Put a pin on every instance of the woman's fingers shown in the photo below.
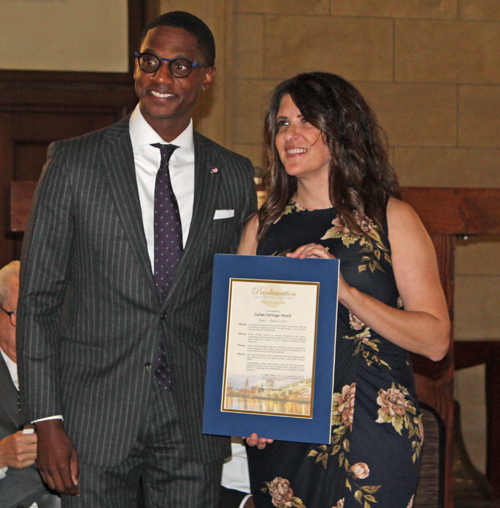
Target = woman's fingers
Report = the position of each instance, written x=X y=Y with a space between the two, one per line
x=311 y=250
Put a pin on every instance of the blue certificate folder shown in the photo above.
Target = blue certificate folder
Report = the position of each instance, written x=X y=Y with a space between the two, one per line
x=316 y=427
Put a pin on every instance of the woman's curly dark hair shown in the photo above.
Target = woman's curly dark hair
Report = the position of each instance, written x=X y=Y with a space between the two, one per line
x=361 y=180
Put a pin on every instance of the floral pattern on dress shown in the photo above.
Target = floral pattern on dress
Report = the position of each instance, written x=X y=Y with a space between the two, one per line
x=396 y=409
x=362 y=493
x=342 y=419
x=368 y=347
x=291 y=207
x=282 y=494
x=372 y=247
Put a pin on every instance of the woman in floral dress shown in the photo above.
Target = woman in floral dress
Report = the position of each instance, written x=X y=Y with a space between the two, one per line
x=333 y=194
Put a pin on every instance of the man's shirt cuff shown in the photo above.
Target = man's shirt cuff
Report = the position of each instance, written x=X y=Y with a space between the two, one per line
x=244 y=500
x=55 y=417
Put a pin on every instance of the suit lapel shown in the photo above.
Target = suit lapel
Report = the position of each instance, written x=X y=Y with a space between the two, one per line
x=206 y=183
x=205 y=191
x=118 y=160
x=8 y=394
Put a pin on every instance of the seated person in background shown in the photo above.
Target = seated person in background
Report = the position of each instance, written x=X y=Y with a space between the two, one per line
x=20 y=483
x=235 y=490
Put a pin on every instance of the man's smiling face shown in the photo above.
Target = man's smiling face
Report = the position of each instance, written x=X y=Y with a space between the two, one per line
x=167 y=102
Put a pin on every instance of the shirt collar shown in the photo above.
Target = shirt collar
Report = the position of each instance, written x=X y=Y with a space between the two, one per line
x=141 y=133
x=12 y=368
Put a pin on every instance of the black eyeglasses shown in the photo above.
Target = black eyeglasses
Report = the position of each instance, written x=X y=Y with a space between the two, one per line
x=12 y=316
x=178 y=67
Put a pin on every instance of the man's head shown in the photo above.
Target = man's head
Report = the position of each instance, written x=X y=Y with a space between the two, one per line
x=9 y=292
x=167 y=101
x=192 y=25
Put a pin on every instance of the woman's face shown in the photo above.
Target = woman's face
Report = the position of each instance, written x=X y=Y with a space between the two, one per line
x=300 y=145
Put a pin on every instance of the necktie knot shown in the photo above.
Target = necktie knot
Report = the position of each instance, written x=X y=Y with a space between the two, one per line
x=166 y=151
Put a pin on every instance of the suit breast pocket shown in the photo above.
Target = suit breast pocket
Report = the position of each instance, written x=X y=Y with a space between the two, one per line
x=223 y=214
x=221 y=234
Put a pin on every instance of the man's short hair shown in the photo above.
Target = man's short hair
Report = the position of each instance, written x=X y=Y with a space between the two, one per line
x=8 y=271
x=193 y=25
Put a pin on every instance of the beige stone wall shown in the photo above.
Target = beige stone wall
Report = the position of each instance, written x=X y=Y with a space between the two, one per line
x=64 y=35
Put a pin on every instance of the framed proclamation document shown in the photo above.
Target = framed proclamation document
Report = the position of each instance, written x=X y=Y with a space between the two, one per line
x=271 y=353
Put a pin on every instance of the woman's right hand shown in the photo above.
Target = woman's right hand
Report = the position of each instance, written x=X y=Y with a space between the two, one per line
x=315 y=250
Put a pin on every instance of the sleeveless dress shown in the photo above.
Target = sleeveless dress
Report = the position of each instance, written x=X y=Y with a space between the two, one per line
x=377 y=433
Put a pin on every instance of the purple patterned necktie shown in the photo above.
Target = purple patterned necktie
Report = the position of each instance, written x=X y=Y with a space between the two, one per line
x=168 y=246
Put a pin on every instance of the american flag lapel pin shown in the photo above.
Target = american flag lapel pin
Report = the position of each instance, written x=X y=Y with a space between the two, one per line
x=214 y=170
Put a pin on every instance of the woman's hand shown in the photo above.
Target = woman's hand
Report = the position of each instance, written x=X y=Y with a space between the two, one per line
x=315 y=250
x=311 y=250
x=255 y=440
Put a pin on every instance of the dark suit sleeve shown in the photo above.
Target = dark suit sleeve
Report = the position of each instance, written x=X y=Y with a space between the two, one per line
x=21 y=487
x=45 y=259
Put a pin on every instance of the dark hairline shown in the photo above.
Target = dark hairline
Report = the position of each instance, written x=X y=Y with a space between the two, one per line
x=190 y=24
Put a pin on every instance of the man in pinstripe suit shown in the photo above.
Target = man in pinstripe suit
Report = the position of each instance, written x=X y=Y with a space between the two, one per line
x=90 y=317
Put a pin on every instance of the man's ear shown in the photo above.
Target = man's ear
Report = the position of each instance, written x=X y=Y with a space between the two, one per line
x=208 y=77
x=136 y=66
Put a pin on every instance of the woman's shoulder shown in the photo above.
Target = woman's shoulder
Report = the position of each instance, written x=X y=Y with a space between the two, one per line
x=403 y=220
x=399 y=211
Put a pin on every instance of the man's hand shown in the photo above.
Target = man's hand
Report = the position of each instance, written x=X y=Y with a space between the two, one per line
x=18 y=450
x=255 y=440
x=57 y=457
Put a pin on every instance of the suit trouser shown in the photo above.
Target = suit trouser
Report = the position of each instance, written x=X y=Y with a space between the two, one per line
x=159 y=461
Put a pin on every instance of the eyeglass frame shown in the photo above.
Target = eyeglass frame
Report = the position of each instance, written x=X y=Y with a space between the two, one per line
x=170 y=61
x=10 y=314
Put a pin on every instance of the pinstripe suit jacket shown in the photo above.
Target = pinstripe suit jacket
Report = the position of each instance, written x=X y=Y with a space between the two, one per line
x=90 y=359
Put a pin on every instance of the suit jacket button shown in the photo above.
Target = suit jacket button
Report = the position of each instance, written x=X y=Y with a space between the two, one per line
x=147 y=366
x=163 y=315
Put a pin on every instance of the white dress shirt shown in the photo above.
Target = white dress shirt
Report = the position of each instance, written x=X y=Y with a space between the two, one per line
x=12 y=366
x=147 y=161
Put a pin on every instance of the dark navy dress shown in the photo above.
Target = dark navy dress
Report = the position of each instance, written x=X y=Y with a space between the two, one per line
x=377 y=433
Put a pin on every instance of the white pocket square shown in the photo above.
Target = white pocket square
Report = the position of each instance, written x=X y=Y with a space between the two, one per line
x=223 y=214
